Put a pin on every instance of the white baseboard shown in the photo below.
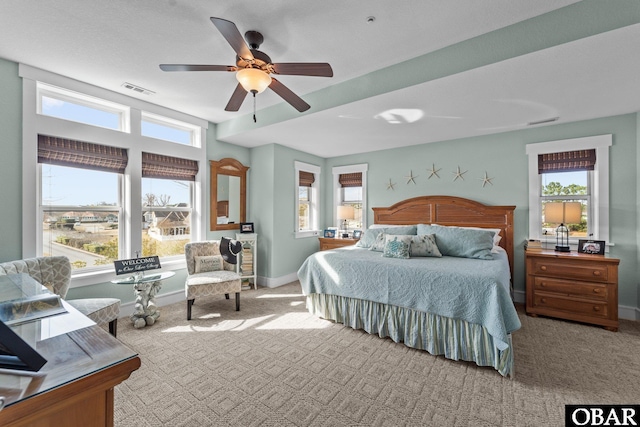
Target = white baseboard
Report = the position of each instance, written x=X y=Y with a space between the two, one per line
x=274 y=282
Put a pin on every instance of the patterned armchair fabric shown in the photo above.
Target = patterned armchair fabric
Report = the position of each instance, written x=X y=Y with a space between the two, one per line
x=55 y=273
x=211 y=282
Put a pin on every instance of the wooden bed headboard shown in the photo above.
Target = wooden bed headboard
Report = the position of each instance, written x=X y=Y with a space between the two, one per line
x=450 y=210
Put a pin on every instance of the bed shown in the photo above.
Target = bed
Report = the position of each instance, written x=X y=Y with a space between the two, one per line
x=456 y=306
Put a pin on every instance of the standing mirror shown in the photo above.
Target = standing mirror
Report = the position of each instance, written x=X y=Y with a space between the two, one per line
x=228 y=194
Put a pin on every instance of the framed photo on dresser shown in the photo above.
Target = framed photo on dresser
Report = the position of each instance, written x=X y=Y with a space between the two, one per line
x=595 y=247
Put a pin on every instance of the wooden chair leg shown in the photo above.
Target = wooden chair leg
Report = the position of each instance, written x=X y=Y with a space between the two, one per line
x=113 y=327
x=237 y=301
x=189 y=304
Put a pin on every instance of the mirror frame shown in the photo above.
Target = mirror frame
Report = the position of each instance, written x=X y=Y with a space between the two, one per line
x=231 y=167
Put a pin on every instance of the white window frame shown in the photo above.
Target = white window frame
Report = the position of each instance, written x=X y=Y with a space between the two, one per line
x=337 y=193
x=599 y=183
x=314 y=202
x=129 y=137
x=194 y=131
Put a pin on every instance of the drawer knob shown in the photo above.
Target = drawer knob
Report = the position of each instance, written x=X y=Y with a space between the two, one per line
x=597 y=291
x=543 y=267
x=543 y=300
x=596 y=273
x=596 y=308
x=543 y=284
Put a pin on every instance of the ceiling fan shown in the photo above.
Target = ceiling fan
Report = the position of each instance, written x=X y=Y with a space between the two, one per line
x=253 y=68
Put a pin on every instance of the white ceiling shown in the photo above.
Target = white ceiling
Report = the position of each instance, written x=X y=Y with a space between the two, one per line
x=111 y=42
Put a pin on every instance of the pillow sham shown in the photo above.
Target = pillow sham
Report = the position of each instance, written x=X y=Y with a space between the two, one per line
x=378 y=245
x=397 y=246
x=424 y=245
x=496 y=236
x=370 y=234
x=208 y=263
x=461 y=242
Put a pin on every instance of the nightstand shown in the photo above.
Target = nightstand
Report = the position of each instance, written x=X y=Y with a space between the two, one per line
x=326 y=243
x=573 y=286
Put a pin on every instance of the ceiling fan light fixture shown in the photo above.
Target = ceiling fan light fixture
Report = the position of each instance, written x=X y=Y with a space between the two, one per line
x=253 y=80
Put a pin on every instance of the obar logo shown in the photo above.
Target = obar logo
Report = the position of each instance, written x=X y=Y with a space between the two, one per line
x=601 y=415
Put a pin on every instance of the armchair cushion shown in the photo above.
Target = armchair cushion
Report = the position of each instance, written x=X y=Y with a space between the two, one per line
x=208 y=263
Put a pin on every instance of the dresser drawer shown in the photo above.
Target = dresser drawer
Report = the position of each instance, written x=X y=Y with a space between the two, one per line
x=576 y=270
x=567 y=287
x=543 y=301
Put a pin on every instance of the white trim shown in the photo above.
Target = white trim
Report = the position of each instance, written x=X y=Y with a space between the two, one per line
x=34 y=124
x=600 y=187
x=274 y=282
x=314 y=205
x=337 y=171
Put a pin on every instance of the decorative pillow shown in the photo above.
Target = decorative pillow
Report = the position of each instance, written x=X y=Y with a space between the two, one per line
x=369 y=235
x=461 y=242
x=208 y=263
x=397 y=246
x=424 y=245
x=378 y=245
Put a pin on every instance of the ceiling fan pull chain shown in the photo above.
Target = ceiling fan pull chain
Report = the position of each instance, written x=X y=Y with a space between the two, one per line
x=254 y=107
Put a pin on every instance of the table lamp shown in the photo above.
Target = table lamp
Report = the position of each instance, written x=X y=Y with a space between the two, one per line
x=562 y=213
x=345 y=213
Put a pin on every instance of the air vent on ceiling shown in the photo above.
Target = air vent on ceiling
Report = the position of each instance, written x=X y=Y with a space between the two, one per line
x=137 y=88
x=539 y=122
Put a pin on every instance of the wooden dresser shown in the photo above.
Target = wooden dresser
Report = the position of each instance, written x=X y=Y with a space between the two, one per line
x=326 y=243
x=573 y=286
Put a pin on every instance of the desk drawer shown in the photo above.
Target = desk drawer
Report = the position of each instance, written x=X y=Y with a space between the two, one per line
x=567 y=287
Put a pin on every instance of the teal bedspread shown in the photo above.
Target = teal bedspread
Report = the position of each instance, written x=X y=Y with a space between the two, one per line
x=476 y=291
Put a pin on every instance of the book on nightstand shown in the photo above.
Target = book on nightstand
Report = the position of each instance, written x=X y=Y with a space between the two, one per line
x=533 y=245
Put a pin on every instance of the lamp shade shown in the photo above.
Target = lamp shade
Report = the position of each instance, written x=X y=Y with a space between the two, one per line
x=346 y=212
x=253 y=79
x=563 y=212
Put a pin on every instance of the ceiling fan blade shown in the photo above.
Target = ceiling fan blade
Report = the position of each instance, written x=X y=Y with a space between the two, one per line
x=236 y=99
x=189 y=67
x=230 y=32
x=320 y=69
x=286 y=94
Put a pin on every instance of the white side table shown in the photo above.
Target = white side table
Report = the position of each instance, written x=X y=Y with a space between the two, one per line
x=145 y=310
x=247 y=264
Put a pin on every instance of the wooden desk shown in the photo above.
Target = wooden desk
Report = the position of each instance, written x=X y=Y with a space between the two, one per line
x=75 y=386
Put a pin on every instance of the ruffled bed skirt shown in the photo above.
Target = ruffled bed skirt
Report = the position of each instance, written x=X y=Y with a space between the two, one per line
x=439 y=335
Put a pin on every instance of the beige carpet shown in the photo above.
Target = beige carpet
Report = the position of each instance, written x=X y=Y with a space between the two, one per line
x=272 y=364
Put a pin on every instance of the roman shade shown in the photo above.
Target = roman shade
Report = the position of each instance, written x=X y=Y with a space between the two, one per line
x=568 y=161
x=81 y=154
x=350 y=179
x=166 y=167
x=306 y=179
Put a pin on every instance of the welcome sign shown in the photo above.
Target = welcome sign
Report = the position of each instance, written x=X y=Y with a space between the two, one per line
x=136 y=265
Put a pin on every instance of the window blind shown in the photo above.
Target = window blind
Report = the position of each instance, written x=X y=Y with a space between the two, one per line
x=568 y=161
x=167 y=167
x=350 y=179
x=81 y=154
x=306 y=179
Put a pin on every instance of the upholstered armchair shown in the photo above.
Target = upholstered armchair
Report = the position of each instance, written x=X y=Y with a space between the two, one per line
x=208 y=274
x=55 y=273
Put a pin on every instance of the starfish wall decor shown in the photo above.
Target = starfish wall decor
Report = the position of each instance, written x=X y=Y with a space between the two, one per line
x=411 y=178
x=391 y=185
x=486 y=180
x=433 y=171
x=459 y=174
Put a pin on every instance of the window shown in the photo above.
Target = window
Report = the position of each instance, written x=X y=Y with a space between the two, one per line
x=81 y=205
x=107 y=190
x=556 y=176
x=166 y=204
x=307 y=184
x=159 y=127
x=63 y=104
x=350 y=189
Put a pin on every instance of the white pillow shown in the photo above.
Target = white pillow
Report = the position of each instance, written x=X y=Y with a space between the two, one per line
x=374 y=226
x=208 y=263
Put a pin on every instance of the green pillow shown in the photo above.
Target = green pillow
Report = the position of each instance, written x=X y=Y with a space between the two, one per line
x=461 y=242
